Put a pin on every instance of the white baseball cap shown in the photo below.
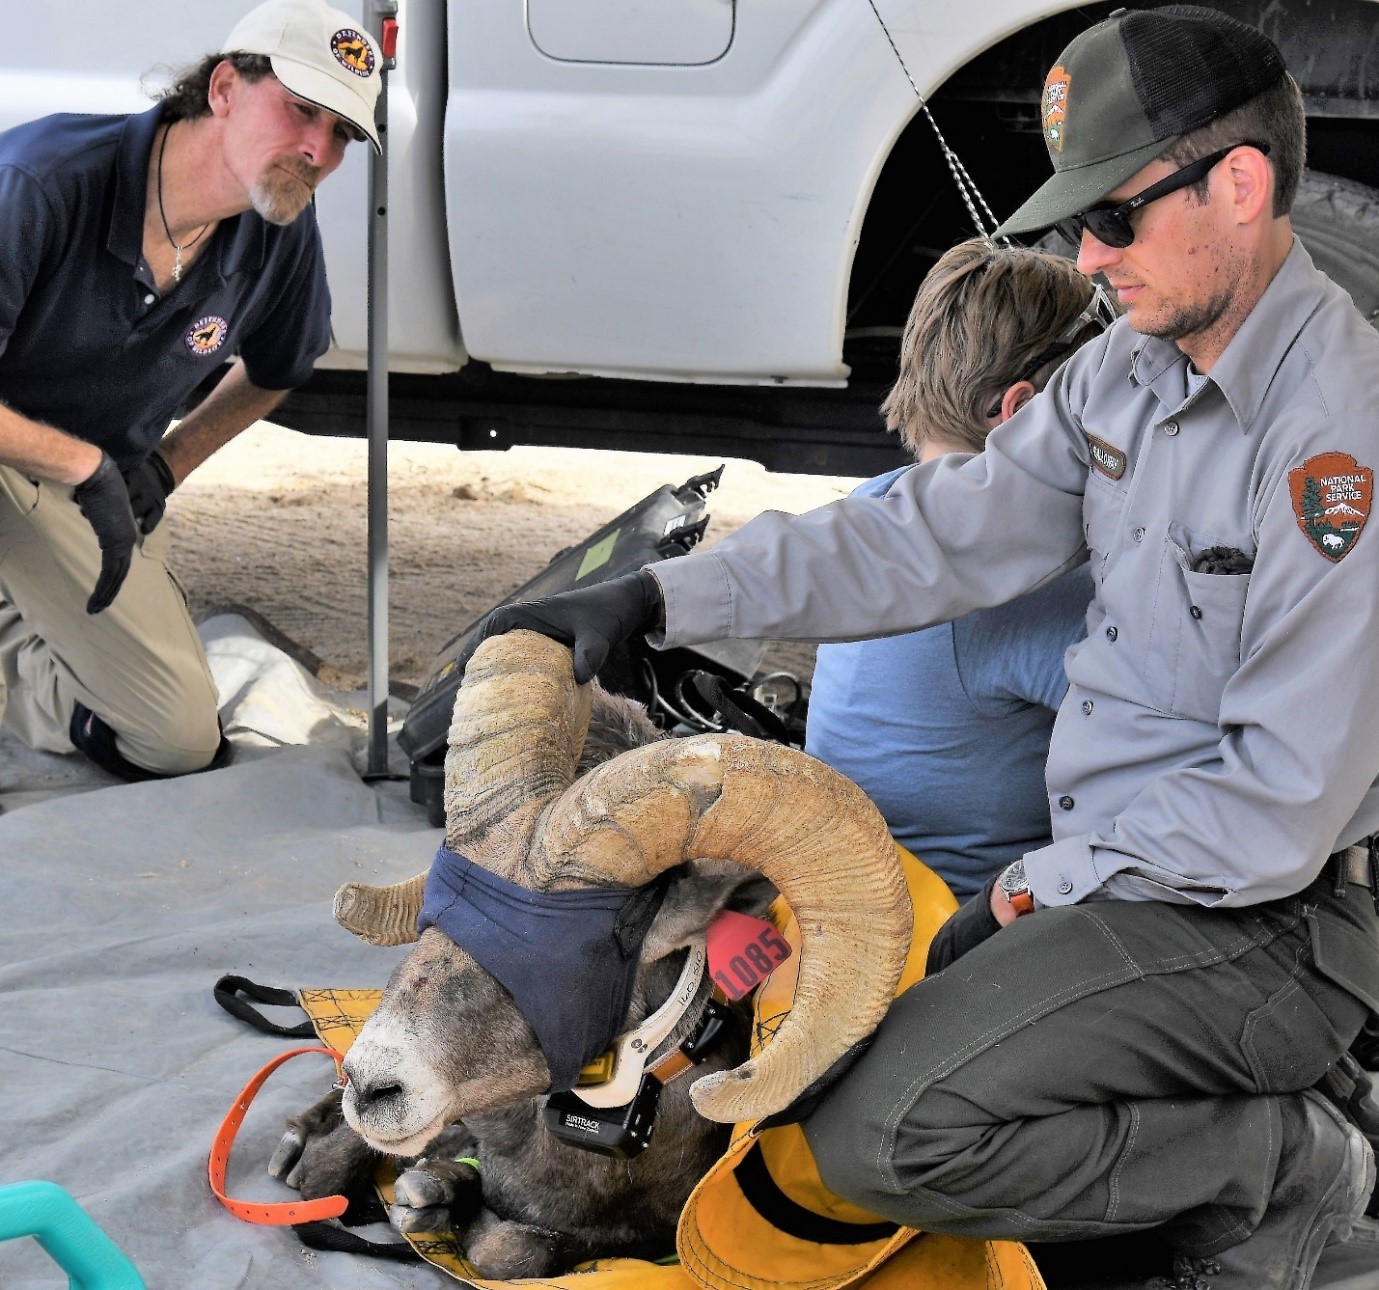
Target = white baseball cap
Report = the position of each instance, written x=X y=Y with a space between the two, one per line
x=320 y=54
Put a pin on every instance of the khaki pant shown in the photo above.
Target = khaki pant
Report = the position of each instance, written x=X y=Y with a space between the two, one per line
x=138 y=665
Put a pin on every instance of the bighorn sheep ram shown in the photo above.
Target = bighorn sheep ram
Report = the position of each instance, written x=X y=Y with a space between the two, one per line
x=449 y=1054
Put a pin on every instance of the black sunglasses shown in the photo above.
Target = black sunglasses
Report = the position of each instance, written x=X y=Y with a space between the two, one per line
x=1099 y=312
x=1109 y=222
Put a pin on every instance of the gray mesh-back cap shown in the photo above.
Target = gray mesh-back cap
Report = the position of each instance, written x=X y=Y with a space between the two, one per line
x=1125 y=89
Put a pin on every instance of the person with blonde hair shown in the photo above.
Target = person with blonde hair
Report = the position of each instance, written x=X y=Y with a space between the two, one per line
x=947 y=729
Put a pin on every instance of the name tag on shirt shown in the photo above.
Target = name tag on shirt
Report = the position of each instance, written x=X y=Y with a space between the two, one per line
x=1107 y=459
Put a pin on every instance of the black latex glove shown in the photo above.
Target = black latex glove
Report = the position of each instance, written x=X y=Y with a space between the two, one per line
x=965 y=930
x=149 y=484
x=104 y=500
x=591 y=619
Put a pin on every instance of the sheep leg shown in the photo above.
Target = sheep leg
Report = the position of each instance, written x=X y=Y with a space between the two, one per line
x=320 y=1155
x=443 y=1189
x=503 y=1249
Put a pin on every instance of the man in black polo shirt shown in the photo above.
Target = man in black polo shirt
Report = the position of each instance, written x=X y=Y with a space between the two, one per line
x=142 y=252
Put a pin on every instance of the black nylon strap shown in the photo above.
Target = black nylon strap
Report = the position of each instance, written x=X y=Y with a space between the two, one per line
x=647 y=1251
x=326 y=1236
x=227 y=993
x=764 y=1196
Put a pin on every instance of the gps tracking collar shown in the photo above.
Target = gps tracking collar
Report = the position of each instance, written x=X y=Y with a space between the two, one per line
x=613 y=1109
x=568 y=958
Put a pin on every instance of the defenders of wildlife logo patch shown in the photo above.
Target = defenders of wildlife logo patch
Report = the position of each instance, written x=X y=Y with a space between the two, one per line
x=1107 y=459
x=206 y=335
x=1054 y=106
x=352 y=51
x=1331 y=495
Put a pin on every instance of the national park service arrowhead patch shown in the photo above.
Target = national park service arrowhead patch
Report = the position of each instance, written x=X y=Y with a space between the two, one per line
x=1054 y=107
x=1106 y=457
x=1331 y=495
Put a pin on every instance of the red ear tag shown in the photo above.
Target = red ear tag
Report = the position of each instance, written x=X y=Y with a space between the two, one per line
x=743 y=952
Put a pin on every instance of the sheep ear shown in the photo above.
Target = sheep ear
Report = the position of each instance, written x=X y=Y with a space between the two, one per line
x=695 y=898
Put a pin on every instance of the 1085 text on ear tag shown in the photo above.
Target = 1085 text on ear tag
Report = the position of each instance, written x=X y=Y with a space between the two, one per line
x=743 y=952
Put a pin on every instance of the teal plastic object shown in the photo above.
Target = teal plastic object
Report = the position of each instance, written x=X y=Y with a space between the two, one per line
x=90 y=1258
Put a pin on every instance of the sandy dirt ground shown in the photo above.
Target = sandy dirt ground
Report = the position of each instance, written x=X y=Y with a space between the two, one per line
x=277 y=521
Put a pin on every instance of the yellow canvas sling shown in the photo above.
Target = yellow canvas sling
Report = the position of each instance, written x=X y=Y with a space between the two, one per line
x=762 y=1218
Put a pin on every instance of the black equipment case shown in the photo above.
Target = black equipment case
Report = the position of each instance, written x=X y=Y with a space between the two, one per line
x=665 y=524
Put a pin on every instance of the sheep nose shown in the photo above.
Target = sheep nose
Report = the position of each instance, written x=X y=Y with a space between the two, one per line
x=371 y=1096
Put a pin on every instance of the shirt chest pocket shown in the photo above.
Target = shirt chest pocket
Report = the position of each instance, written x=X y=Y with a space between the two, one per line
x=1195 y=629
x=1103 y=505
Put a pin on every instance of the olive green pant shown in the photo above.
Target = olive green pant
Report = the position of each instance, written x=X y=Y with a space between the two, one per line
x=1100 y=1069
x=138 y=665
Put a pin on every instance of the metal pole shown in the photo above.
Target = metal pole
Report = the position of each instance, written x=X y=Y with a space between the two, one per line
x=381 y=16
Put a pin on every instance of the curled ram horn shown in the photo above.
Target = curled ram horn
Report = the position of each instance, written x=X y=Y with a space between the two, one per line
x=812 y=832
x=515 y=735
x=381 y=915
x=512 y=805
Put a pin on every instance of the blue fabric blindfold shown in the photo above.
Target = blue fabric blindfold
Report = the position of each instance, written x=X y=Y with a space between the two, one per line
x=568 y=958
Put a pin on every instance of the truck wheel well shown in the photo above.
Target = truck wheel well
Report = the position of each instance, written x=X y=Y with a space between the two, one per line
x=988 y=111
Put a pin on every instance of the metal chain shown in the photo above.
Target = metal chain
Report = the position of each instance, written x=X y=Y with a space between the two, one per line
x=967 y=187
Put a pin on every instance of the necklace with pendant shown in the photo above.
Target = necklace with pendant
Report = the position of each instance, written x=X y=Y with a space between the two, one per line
x=162 y=214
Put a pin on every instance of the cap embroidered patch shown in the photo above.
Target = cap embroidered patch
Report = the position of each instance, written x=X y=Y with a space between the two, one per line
x=352 y=51
x=1055 y=106
x=1331 y=495
x=1110 y=461
x=207 y=334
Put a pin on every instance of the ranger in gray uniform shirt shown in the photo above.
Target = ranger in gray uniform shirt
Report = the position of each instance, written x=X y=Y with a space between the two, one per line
x=1200 y=942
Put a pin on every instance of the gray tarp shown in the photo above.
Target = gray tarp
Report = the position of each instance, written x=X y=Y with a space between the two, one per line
x=121 y=907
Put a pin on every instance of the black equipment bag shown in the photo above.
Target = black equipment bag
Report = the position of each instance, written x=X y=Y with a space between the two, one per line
x=665 y=524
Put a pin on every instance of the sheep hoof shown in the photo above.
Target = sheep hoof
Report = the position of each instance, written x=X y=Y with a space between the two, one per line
x=320 y=1155
x=434 y=1194
x=419 y=1188
x=286 y=1156
x=435 y=1218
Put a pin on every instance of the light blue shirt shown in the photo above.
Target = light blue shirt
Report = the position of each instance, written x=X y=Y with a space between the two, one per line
x=947 y=729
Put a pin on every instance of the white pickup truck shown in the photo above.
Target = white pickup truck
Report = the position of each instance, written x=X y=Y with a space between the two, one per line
x=686 y=224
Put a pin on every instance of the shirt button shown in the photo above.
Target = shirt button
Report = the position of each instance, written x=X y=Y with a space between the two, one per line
x=1064 y=887
x=1086 y=707
x=1195 y=612
x=1170 y=428
x=150 y=298
x=1139 y=535
x=1111 y=633
x=1066 y=803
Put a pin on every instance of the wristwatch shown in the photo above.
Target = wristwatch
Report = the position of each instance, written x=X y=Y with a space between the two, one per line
x=1016 y=887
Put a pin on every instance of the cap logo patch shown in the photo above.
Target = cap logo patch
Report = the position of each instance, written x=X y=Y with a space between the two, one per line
x=352 y=51
x=1110 y=461
x=207 y=335
x=1054 y=107
x=1331 y=495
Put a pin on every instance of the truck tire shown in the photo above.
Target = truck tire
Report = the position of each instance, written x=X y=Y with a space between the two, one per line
x=1338 y=222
